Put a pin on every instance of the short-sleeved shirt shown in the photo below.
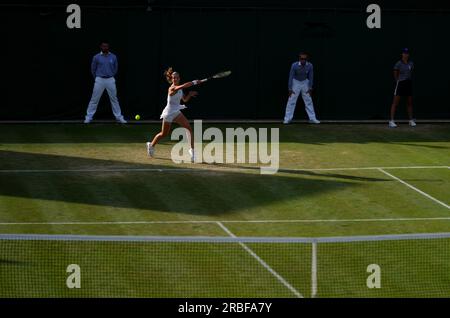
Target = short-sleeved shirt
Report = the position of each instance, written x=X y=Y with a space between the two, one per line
x=405 y=70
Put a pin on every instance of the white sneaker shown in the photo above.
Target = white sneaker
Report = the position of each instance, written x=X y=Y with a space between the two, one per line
x=286 y=122
x=392 y=124
x=87 y=121
x=314 y=121
x=121 y=120
x=412 y=123
x=192 y=154
x=150 y=150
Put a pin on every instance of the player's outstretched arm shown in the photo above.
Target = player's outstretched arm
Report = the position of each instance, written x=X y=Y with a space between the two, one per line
x=175 y=89
x=189 y=84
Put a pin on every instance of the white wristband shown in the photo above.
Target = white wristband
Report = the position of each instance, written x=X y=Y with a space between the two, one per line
x=194 y=82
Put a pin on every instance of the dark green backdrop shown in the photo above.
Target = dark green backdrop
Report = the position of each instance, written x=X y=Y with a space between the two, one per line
x=46 y=67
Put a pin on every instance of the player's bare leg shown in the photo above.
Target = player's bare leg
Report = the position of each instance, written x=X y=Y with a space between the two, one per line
x=165 y=129
x=183 y=122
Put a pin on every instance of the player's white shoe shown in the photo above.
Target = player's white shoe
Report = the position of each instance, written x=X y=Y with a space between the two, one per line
x=314 y=121
x=286 y=122
x=121 y=120
x=87 y=121
x=192 y=154
x=392 y=124
x=150 y=150
x=412 y=123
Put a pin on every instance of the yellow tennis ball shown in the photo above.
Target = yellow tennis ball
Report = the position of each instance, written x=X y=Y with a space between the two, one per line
x=137 y=117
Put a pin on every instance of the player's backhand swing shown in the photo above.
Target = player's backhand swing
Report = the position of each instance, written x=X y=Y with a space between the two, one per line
x=172 y=111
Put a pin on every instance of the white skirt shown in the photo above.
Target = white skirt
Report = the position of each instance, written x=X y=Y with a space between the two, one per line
x=171 y=112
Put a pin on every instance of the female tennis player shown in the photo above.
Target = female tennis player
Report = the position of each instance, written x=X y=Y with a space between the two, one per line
x=172 y=111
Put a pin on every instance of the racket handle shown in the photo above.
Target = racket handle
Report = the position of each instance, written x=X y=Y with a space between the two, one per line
x=205 y=79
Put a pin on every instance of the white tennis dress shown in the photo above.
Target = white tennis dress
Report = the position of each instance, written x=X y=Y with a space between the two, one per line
x=173 y=106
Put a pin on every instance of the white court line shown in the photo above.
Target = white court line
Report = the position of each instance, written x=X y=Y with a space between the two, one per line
x=98 y=170
x=264 y=264
x=365 y=168
x=207 y=169
x=444 y=218
x=415 y=189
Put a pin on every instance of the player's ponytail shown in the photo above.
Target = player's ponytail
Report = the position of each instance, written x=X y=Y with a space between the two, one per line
x=168 y=74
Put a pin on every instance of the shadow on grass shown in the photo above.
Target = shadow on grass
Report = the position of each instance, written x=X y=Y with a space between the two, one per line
x=304 y=134
x=423 y=146
x=312 y=173
x=7 y=262
x=196 y=191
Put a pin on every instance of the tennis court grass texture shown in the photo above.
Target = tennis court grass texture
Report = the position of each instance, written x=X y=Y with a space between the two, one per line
x=97 y=180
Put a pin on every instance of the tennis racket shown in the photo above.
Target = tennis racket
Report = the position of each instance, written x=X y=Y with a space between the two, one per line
x=218 y=75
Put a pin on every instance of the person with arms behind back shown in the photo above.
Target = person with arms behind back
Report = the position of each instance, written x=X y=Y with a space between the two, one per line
x=104 y=67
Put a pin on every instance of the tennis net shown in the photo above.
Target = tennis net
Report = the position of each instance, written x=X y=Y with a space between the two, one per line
x=415 y=265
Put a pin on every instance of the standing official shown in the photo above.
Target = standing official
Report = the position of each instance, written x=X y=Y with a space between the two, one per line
x=301 y=82
x=104 y=67
x=403 y=70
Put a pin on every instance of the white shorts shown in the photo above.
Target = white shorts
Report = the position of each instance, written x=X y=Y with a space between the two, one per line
x=169 y=118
